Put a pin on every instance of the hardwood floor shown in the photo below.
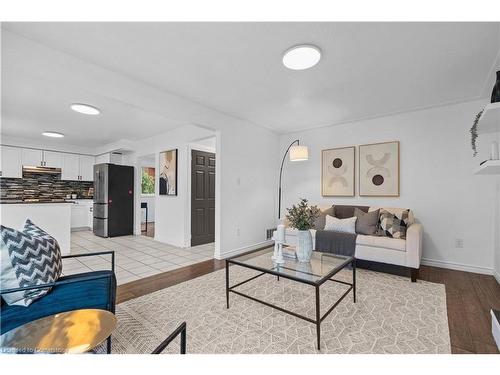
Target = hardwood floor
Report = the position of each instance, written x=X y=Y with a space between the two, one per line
x=469 y=298
x=153 y=283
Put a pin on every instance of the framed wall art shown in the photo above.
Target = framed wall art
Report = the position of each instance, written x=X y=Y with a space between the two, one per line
x=337 y=172
x=168 y=172
x=379 y=169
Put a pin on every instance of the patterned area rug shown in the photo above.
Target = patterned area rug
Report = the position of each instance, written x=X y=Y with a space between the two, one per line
x=391 y=315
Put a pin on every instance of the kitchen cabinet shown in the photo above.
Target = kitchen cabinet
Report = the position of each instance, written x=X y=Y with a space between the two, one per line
x=74 y=167
x=41 y=158
x=87 y=168
x=91 y=215
x=71 y=167
x=78 y=167
x=81 y=214
x=53 y=159
x=32 y=157
x=11 y=162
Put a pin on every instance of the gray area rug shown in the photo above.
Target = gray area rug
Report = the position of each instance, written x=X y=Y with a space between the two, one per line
x=392 y=315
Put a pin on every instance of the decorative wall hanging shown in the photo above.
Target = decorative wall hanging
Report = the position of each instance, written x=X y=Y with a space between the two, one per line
x=337 y=172
x=379 y=169
x=168 y=172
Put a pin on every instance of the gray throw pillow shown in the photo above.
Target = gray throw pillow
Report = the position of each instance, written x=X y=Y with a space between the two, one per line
x=320 y=222
x=367 y=222
x=343 y=211
x=28 y=257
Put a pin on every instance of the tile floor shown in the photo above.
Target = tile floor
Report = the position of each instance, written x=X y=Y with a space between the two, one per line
x=136 y=257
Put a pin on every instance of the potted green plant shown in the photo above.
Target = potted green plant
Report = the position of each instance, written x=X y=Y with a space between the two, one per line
x=302 y=217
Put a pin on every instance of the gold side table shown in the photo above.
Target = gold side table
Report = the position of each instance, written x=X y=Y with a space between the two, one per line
x=75 y=331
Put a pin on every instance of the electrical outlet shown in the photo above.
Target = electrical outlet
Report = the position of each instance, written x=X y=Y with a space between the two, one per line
x=459 y=243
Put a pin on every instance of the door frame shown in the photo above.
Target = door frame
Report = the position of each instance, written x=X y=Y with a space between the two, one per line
x=193 y=146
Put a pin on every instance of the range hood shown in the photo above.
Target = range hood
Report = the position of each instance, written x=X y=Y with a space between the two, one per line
x=41 y=170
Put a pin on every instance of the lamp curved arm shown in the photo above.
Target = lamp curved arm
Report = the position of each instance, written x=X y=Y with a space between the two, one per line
x=281 y=173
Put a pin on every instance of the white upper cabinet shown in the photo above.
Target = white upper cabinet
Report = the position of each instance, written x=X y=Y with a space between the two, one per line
x=42 y=158
x=87 y=168
x=53 y=159
x=71 y=167
x=78 y=167
x=11 y=162
x=74 y=167
x=32 y=157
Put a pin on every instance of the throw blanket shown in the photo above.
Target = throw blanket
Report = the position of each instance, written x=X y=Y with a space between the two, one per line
x=329 y=241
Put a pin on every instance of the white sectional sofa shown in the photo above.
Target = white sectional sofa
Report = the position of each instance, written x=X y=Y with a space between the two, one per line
x=405 y=253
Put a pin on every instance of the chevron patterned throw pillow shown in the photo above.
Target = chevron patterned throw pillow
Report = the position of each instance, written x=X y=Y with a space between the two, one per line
x=28 y=257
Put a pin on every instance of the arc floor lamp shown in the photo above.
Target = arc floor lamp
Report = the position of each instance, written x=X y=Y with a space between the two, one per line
x=297 y=153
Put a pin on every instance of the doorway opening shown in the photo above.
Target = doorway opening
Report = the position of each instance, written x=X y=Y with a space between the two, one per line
x=147 y=198
x=203 y=162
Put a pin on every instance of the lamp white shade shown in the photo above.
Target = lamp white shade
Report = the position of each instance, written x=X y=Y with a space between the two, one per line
x=299 y=153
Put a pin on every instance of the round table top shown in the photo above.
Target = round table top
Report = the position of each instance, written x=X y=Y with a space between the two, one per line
x=75 y=331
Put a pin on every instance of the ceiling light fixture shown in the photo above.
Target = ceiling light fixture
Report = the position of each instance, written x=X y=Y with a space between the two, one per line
x=53 y=134
x=86 y=109
x=301 y=57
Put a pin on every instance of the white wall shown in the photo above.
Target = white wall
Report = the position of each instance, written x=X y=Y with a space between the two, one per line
x=209 y=144
x=170 y=211
x=245 y=183
x=437 y=180
x=497 y=232
x=248 y=172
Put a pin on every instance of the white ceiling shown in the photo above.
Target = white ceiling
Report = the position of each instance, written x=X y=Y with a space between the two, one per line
x=367 y=70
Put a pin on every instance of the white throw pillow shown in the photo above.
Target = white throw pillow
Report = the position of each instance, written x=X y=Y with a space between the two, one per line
x=341 y=225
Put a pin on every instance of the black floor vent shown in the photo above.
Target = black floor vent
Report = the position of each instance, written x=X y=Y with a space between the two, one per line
x=269 y=233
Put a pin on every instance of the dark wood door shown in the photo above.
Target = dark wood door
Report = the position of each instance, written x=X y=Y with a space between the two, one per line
x=202 y=197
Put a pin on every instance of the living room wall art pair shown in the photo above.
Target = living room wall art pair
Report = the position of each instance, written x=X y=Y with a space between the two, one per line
x=378 y=170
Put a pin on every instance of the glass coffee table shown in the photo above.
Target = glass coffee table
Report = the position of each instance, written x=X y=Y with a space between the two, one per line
x=320 y=269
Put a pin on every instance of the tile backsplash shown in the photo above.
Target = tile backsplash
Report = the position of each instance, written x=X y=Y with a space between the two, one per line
x=42 y=186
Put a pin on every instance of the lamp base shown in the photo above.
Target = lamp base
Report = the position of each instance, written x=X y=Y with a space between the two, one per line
x=278 y=253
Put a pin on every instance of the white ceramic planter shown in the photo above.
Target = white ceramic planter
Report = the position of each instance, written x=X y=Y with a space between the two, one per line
x=304 y=246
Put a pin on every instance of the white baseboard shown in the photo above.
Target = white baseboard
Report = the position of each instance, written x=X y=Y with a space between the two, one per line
x=497 y=276
x=457 y=266
x=244 y=249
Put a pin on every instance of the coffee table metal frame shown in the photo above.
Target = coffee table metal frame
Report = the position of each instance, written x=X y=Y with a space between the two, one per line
x=316 y=284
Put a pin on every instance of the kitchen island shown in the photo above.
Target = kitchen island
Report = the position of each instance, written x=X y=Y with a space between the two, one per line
x=54 y=218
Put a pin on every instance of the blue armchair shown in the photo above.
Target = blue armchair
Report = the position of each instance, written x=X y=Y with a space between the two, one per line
x=90 y=290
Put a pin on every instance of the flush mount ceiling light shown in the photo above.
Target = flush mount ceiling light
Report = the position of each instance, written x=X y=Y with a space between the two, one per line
x=301 y=57
x=53 y=134
x=85 y=109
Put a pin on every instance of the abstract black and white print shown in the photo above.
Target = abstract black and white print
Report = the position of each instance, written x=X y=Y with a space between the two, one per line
x=337 y=172
x=379 y=169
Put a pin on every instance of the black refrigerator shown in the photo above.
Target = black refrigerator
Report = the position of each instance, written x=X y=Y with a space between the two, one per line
x=113 y=200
